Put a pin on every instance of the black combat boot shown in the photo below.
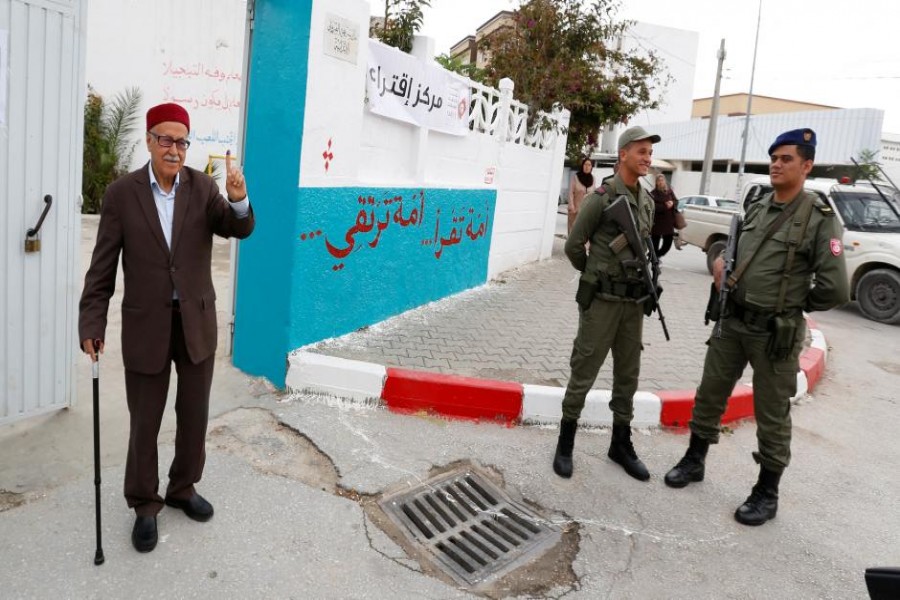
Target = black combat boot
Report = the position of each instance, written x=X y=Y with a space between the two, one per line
x=621 y=450
x=763 y=501
x=562 y=462
x=692 y=466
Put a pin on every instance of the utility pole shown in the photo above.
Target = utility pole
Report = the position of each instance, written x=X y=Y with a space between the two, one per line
x=746 y=134
x=713 y=123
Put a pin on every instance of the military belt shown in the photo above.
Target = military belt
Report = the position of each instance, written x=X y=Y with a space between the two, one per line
x=753 y=318
x=634 y=290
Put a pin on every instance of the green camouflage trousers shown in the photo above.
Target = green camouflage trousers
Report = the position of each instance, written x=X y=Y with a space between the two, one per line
x=774 y=384
x=604 y=326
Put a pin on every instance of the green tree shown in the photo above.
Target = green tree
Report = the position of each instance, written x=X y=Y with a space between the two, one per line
x=569 y=52
x=868 y=167
x=108 y=143
x=402 y=19
x=457 y=66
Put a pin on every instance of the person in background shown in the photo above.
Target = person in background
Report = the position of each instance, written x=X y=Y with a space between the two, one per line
x=161 y=220
x=581 y=185
x=664 y=218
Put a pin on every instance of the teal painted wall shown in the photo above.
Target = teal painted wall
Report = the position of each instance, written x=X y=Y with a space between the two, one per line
x=274 y=133
x=362 y=255
x=325 y=261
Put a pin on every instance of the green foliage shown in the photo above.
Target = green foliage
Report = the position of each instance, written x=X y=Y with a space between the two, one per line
x=868 y=168
x=457 y=66
x=568 y=52
x=108 y=142
x=213 y=170
x=402 y=19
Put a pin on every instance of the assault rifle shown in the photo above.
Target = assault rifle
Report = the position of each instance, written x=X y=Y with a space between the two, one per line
x=620 y=213
x=718 y=301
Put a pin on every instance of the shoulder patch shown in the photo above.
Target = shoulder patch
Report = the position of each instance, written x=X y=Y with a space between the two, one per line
x=823 y=207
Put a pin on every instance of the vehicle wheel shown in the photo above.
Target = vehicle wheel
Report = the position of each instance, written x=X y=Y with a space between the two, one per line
x=715 y=249
x=878 y=294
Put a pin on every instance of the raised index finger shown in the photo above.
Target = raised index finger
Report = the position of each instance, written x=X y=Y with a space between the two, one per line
x=228 y=160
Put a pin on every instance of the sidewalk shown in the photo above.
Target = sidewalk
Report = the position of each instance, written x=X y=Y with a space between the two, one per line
x=520 y=328
x=293 y=477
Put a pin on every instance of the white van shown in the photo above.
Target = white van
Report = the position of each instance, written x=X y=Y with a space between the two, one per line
x=871 y=219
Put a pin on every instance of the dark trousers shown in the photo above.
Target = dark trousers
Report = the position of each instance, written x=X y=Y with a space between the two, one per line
x=774 y=384
x=605 y=326
x=146 y=403
x=662 y=249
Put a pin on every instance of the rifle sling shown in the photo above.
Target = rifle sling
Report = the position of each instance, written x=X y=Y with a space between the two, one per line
x=801 y=224
x=782 y=218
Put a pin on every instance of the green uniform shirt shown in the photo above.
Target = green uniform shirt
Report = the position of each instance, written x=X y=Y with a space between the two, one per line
x=818 y=276
x=591 y=225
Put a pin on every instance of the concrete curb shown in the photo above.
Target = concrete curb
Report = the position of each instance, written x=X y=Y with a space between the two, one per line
x=408 y=391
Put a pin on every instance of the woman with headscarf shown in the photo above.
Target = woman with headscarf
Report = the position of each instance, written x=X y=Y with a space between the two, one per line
x=664 y=220
x=581 y=185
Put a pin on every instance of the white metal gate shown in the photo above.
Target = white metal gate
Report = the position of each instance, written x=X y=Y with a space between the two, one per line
x=41 y=116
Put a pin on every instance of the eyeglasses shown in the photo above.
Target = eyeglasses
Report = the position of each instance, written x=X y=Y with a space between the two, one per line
x=166 y=141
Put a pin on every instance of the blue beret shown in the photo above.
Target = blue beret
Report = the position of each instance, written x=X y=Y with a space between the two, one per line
x=794 y=137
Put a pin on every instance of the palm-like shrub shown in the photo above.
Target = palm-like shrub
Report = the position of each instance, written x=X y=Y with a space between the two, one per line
x=108 y=142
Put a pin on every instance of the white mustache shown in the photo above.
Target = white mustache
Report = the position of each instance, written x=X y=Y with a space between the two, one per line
x=170 y=159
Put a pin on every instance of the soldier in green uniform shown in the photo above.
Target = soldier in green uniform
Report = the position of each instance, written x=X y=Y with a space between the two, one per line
x=799 y=266
x=614 y=318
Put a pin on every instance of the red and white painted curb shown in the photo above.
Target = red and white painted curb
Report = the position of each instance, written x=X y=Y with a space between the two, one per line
x=409 y=391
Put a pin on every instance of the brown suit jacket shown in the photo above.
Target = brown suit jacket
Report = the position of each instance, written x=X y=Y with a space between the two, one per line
x=129 y=223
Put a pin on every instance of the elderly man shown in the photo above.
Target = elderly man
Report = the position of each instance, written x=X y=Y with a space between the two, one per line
x=789 y=259
x=611 y=313
x=161 y=219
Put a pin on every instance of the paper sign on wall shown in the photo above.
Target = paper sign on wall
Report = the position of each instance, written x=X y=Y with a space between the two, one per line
x=400 y=86
x=4 y=67
x=341 y=38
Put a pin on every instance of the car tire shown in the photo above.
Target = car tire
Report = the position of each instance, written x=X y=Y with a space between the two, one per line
x=878 y=294
x=715 y=249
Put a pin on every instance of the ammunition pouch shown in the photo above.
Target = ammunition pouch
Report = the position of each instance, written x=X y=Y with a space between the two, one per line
x=783 y=338
x=650 y=304
x=587 y=291
x=713 y=306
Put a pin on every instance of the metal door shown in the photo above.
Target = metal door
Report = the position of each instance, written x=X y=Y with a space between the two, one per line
x=41 y=116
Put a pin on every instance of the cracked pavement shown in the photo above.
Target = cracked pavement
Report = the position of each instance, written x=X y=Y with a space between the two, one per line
x=290 y=477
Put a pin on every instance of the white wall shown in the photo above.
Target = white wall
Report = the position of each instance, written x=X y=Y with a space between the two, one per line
x=191 y=52
x=371 y=150
x=677 y=49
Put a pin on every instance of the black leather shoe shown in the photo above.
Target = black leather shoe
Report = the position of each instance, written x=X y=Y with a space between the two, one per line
x=195 y=507
x=562 y=461
x=144 y=535
x=692 y=467
x=761 y=506
x=689 y=469
x=621 y=451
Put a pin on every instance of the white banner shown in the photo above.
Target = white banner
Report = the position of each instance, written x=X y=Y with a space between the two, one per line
x=4 y=67
x=400 y=86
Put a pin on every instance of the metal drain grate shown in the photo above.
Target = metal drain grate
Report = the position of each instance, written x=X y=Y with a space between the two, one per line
x=473 y=529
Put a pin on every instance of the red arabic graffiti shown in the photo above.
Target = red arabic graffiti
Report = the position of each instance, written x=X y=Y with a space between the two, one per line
x=376 y=216
x=197 y=70
x=215 y=100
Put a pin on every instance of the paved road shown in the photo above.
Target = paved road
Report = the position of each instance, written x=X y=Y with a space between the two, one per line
x=293 y=480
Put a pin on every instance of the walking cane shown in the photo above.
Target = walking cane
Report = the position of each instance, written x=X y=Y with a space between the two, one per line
x=95 y=371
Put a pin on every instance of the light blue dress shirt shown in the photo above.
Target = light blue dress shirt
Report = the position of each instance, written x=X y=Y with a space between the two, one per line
x=165 y=207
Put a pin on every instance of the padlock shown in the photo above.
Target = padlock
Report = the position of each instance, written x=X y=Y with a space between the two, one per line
x=32 y=245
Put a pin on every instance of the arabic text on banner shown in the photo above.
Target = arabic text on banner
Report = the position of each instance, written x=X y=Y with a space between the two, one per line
x=400 y=86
